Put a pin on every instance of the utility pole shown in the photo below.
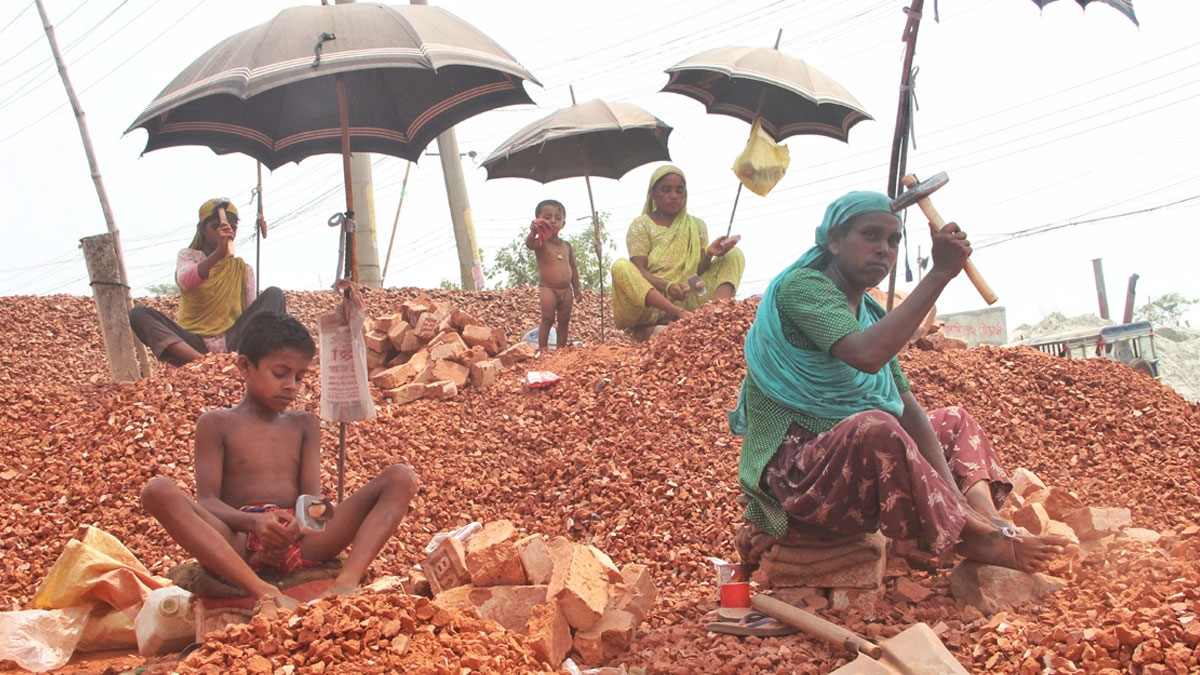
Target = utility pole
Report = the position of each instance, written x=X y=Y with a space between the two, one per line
x=470 y=266
x=1101 y=293
x=365 y=241
x=1130 y=293
x=139 y=349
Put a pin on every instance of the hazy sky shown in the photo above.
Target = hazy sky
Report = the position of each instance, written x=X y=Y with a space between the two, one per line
x=1040 y=118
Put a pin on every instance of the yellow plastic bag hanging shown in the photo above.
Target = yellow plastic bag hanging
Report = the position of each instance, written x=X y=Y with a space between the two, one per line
x=763 y=163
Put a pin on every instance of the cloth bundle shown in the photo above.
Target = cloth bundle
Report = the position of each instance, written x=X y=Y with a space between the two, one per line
x=804 y=560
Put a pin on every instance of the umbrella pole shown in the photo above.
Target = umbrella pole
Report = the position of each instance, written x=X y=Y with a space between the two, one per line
x=351 y=254
x=735 y=203
x=596 y=242
x=762 y=97
x=395 y=223
x=260 y=225
x=899 y=159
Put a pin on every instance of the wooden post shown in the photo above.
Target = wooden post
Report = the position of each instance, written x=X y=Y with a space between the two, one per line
x=122 y=278
x=1130 y=292
x=1101 y=294
x=899 y=162
x=109 y=293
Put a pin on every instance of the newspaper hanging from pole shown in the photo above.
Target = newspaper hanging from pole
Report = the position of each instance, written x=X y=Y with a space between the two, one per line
x=345 y=394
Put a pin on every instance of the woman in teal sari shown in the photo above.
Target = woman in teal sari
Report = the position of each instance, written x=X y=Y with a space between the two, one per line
x=835 y=443
x=667 y=246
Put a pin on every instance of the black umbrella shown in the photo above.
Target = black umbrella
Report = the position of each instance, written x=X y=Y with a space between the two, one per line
x=1123 y=6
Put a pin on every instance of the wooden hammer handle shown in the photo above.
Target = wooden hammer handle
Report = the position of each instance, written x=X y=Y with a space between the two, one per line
x=814 y=625
x=989 y=296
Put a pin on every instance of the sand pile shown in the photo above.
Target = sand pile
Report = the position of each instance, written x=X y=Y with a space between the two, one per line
x=630 y=452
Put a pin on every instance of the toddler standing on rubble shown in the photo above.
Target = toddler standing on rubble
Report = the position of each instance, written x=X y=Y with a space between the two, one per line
x=557 y=273
x=253 y=461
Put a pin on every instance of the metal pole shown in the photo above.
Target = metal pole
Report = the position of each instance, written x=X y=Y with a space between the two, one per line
x=395 y=223
x=596 y=243
x=899 y=160
x=260 y=231
x=351 y=251
x=1101 y=293
x=139 y=349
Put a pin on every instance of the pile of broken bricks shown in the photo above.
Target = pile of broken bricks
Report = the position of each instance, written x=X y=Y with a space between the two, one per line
x=562 y=596
x=432 y=351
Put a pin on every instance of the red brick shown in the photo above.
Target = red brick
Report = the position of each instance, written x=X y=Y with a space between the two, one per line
x=460 y=319
x=413 y=391
x=1026 y=483
x=440 y=390
x=446 y=566
x=535 y=559
x=636 y=592
x=483 y=373
x=377 y=341
x=610 y=569
x=1091 y=522
x=426 y=326
x=444 y=369
x=512 y=606
x=516 y=353
x=398 y=332
x=492 y=557
x=1032 y=517
x=480 y=336
x=385 y=322
x=450 y=349
x=375 y=360
x=1059 y=503
x=442 y=337
x=549 y=633
x=394 y=377
x=412 y=309
x=409 y=342
x=580 y=584
x=473 y=355
x=607 y=638
x=991 y=588
x=910 y=591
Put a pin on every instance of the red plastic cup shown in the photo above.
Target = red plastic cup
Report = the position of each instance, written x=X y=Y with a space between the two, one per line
x=735 y=594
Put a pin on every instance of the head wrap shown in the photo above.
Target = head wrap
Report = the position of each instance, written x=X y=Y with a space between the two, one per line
x=838 y=213
x=206 y=211
x=664 y=170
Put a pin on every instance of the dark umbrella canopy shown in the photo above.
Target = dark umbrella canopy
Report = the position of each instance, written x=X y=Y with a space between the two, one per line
x=788 y=95
x=411 y=72
x=596 y=138
x=1123 y=6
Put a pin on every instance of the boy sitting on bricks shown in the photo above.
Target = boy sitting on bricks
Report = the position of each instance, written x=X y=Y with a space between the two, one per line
x=253 y=461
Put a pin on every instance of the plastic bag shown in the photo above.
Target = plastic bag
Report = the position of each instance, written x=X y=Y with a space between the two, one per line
x=345 y=396
x=763 y=163
x=41 y=639
x=539 y=379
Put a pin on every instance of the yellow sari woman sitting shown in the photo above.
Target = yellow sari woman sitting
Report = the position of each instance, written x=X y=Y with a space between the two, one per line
x=666 y=248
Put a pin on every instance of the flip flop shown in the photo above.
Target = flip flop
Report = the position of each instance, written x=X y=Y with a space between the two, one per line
x=753 y=623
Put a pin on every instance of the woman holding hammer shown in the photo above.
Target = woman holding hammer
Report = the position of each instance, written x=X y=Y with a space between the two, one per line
x=835 y=443
x=217 y=294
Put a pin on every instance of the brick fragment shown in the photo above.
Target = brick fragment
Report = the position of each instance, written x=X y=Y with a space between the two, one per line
x=375 y=360
x=384 y=323
x=1092 y=522
x=549 y=633
x=472 y=356
x=413 y=391
x=394 y=377
x=397 y=332
x=426 y=326
x=1141 y=535
x=377 y=341
x=637 y=592
x=517 y=353
x=991 y=588
x=483 y=373
x=450 y=348
x=440 y=390
x=445 y=369
x=580 y=585
x=910 y=591
x=1026 y=483
x=610 y=568
x=1060 y=502
x=481 y=336
x=1032 y=517
x=535 y=559
x=460 y=320
x=411 y=310
x=492 y=558
x=608 y=637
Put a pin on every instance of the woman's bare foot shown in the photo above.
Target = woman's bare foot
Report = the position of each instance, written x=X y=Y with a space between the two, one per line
x=269 y=606
x=1006 y=548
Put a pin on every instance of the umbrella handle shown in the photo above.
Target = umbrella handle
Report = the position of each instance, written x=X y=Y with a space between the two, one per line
x=735 y=203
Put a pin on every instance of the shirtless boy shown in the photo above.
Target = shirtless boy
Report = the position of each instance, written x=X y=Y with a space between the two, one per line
x=259 y=454
x=557 y=273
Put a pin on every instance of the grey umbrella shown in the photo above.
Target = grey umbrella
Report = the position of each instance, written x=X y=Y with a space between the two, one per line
x=596 y=138
x=270 y=92
x=1123 y=6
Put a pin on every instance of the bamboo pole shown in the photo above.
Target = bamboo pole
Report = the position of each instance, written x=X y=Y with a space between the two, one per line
x=139 y=349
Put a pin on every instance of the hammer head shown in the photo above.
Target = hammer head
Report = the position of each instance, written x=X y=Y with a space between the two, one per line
x=919 y=191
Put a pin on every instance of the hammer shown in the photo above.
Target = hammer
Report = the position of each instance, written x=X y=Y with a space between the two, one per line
x=918 y=193
x=219 y=212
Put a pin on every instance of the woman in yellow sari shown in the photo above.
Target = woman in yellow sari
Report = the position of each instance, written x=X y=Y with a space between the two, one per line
x=667 y=247
x=217 y=294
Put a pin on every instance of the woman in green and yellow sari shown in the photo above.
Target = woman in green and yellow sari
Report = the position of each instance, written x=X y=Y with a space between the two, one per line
x=667 y=247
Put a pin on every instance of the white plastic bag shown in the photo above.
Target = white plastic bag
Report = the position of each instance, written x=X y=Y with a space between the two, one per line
x=345 y=396
x=763 y=163
x=41 y=639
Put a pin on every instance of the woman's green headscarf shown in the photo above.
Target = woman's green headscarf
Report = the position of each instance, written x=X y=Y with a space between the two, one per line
x=664 y=170
x=813 y=381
